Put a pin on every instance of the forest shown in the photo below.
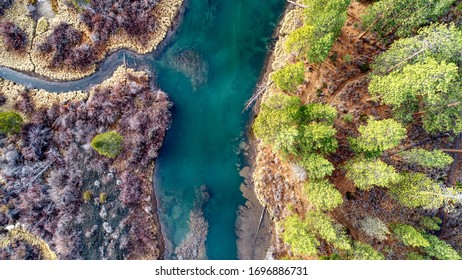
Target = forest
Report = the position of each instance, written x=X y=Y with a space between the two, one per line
x=380 y=179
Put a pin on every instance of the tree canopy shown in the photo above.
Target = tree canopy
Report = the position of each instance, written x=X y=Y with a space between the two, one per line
x=10 y=122
x=403 y=17
x=367 y=174
x=289 y=77
x=322 y=194
x=298 y=237
x=108 y=144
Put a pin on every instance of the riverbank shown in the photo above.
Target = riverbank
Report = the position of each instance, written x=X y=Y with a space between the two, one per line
x=166 y=12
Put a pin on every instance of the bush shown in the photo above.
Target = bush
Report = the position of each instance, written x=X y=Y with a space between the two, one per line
x=409 y=235
x=289 y=77
x=323 y=195
x=10 y=122
x=108 y=144
x=15 y=38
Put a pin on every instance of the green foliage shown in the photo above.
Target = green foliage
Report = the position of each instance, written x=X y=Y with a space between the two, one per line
x=108 y=144
x=409 y=235
x=327 y=19
x=277 y=123
x=415 y=256
x=438 y=41
x=323 y=226
x=317 y=166
x=348 y=118
x=299 y=41
x=429 y=159
x=323 y=195
x=102 y=197
x=429 y=223
x=87 y=195
x=291 y=129
x=319 y=137
x=289 y=77
x=434 y=85
x=403 y=17
x=440 y=249
x=417 y=190
x=374 y=227
x=298 y=237
x=315 y=112
x=367 y=173
x=378 y=136
x=362 y=251
x=10 y=122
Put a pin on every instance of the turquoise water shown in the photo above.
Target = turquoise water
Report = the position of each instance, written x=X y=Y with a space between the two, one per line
x=209 y=71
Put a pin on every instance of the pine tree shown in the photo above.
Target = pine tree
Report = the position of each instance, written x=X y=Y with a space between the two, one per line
x=367 y=174
x=298 y=237
x=374 y=227
x=108 y=144
x=440 y=249
x=289 y=77
x=417 y=190
x=428 y=159
x=324 y=227
x=434 y=85
x=317 y=166
x=322 y=194
x=403 y=17
x=10 y=122
x=378 y=136
x=362 y=251
x=409 y=235
x=278 y=122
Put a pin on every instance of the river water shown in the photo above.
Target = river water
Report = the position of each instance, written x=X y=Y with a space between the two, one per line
x=209 y=70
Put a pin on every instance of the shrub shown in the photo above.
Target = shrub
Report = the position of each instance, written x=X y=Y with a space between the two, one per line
x=10 y=122
x=289 y=77
x=15 y=38
x=87 y=195
x=409 y=235
x=102 y=197
x=323 y=195
x=108 y=144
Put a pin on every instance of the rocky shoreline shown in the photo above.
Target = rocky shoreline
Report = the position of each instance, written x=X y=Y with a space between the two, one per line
x=254 y=225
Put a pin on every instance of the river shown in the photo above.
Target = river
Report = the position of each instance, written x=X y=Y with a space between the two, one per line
x=209 y=69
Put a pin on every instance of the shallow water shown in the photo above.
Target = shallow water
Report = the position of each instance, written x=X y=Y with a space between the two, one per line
x=229 y=40
x=209 y=70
